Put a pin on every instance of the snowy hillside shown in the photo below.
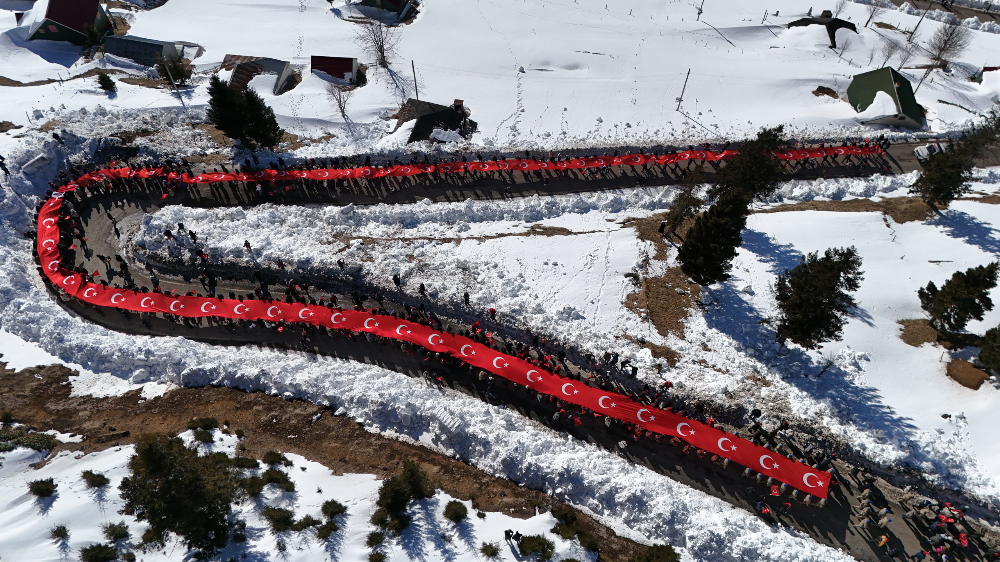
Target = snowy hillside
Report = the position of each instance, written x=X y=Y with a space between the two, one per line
x=539 y=73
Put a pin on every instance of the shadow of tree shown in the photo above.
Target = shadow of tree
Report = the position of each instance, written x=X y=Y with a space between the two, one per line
x=968 y=228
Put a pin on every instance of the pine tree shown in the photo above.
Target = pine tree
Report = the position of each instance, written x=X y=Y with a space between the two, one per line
x=685 y=205
x=989 y=352
x=261 y=126
x=105 y=82
x=755 y=172
x=173 y=70
x=225 y=108
x=710 y=246
x=813 y=297
x=947 y=175
x=963 y=297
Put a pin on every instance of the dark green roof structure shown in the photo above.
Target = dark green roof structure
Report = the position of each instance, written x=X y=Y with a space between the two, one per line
x=863 y=89
x=67 y=20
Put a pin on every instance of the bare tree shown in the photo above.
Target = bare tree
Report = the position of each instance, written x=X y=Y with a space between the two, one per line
x=378 y=40
x=839 y=7
x=875 y=9
x=889 y=50
x=871 y=54
x=906 y=53
x=341 y=96
x=846 y=44
x=948 y=42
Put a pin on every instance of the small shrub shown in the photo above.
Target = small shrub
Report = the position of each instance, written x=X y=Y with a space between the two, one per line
x=281 y=546
x=333 y=508
x=239 y=536
x=59 y=533
x=565 y=531
x=252 y=485
x=588 y=541
x=398 y=522
x=95 y=479
x=272 y=458
x=43 y=488
x=537 y=544
x=98 y=553
x=480 y=515
x=380 y=518
x=456 y=511
x=6 y=418
x=115 y=532
x=128 y=556
x=490 y=549
x=324 y=531
x=245 y=462
x=279 y=518
x=206 y=424
x=153 y=538
x=376 y=557
x=279 y=478
x=240 y=434
x=375 y=538
x=105 y=82
x=305 y=523
x=11 y=439
x=203 y=436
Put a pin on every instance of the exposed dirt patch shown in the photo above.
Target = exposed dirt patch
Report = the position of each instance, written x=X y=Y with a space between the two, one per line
x=824 y=91
x=217 y=136
x=966 y=374
x=988 y=198
x=658 y=351
x=127 y=6
x=7 y=126
x=901 y=209
x=883 y=25
x=49 y=125
x=155 y=83
x=128 y=137
x=39 y=398
x=294 y=143
x=658 y=297
x=917 y=332
x=120 y=25
x=213 y=159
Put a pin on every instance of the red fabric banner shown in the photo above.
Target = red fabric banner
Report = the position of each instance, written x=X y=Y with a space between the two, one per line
x=459 y=167
x=617 y=406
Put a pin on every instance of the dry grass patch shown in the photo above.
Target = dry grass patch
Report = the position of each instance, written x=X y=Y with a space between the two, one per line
x=917 y=332
x=213 y=133
x=49 y=125
x=966 y=374
x=7 y=126
x=154 y=83
x=901 y=209
x=824 y=91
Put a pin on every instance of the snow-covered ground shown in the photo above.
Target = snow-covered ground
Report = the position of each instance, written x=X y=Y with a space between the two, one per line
x=539 y=73
x=25 y=521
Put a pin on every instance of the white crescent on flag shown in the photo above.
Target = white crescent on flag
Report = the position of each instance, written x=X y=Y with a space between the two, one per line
x=462 y=351
x=307 y=311
x=367 y=320
x=495 y=362
x=71 y=280
x=731 y=446
x=400 y=327
x=681 y=431
x=90 y=294
x=48 y=244
x=333 y=318
x=430 y=339
x=805 y=480
x=204 y=304
x=53 y=265
x=236 y=309
x=600 y=402
x=269 y=315
x=569 y=384
x=143 y=304
x=773 y=466
x=49 y=222
x=172 y=309
x=639 y=415
x=116 y=295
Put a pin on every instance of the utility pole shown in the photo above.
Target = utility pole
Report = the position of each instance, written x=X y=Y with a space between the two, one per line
x=763 y=18
x=700 y=10
x=910 y=38
x=681 y=98
x=416 y=92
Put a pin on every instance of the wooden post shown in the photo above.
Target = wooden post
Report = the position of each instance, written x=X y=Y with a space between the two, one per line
x=416 y=92
x=681 y=98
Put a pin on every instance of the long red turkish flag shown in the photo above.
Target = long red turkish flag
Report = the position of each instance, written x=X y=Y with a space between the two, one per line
x=614 y=405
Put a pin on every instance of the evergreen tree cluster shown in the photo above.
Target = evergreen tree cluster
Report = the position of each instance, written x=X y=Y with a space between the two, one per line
x=947 y=175
x=242 y=115
x=710 y=246
x=106 y=83
x=396 y=493
x=963 y=297
x=813 y=298
x=175 y=490
x=173 y=70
